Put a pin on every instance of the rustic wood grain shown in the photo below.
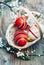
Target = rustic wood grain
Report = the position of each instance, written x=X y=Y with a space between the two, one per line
x=37 y=5
x=9 y=59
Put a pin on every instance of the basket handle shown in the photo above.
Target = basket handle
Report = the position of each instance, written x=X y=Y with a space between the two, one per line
x=41 y=34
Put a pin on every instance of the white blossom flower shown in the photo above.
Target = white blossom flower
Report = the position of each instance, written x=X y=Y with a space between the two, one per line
x=1 y=45
x=8 y=49
x=20 y=54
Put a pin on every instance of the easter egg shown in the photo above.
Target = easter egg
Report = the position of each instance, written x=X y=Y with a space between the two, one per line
x=20 y=37
x=21 y=22
x=33 y=32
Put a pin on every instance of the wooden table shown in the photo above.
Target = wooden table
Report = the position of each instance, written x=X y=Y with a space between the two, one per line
x=9 y=59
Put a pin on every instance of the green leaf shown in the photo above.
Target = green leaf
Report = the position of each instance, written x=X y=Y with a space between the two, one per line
x=38 y=16
x=25 y=58
x=7 y=1
x=0 y=13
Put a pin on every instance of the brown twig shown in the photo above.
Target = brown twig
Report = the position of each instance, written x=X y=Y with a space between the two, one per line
x=19 y=13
